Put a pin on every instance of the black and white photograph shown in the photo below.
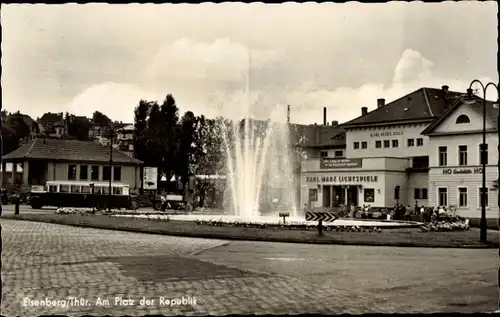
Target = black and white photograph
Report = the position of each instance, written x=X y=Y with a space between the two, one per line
x=249 y=158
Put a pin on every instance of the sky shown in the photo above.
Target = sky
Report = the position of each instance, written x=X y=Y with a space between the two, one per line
x=241 y=59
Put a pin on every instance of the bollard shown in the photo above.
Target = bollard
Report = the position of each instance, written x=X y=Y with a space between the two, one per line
x=320 y=227
x=17 y=201
x=284 y=215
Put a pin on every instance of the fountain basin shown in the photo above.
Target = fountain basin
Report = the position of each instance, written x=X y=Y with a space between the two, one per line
x=275 y=220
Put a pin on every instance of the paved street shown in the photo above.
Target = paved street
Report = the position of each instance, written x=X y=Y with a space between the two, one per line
x=54 y=262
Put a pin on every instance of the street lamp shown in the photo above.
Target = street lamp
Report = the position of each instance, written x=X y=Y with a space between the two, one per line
x=111 y=134
x=483 y=148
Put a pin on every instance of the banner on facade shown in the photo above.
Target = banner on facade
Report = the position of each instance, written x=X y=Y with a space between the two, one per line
x=327 y=163
x=150 y=179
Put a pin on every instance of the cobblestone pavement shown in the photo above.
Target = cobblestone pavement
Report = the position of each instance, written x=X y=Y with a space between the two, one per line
x=95 y=267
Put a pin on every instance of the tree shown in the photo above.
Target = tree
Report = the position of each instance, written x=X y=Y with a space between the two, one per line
x=186 y=146
x=9 y=140
x=141 y=125
x=18 y=124
x=168 y=134
x=100 y=119
x=78 y=128
x=154 y=145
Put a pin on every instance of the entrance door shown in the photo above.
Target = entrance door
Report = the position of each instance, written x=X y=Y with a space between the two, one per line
x=352 y=195
x=326 y=196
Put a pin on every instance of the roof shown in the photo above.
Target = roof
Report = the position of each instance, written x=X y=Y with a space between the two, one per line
x=310 y=135
x=422 y=104
x=491 y=113
x=27 y=119
x=51 y=117
x=69 y=150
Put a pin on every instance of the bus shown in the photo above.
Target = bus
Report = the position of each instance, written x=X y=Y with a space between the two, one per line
x=82 y=194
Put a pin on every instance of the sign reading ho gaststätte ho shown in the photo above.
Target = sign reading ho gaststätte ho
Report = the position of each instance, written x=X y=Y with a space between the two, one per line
x=449 y=171
x=327 y=163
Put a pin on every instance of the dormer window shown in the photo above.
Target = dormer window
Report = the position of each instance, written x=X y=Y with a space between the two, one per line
x=462 y=119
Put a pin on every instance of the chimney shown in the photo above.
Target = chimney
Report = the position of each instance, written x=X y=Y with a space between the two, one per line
x=380 y=102
x=324 y=115
x=445 y=88
x=288 y=113
x=364 y=111
x=335 y=123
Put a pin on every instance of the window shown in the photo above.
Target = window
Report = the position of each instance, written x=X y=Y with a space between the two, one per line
x=105 y=190
x=420 y=142
x=462 y=197
x=85 y=189
x=443 y=196
x=410 y=142
x=416 y=193
x=117 y=191
x=84 y=172
x=364 y=145
x=378 y=144
x=94 y=172
x=52 y=188
x=71 y=172
x=462 y=155
x=369 y=194
x=420 y=162
x=483 y=156
x=75 y=188
x=356 y=145
x=323 y=154
x=337 y=154
x=486 y=191
x=443 y=156
x=64 y=189
x=424 y=193
x=387 y=143
x=97 y=190
x=117 y=173
x=462 y=119
x=106 y=173
x=313 y=194
x=395 y=143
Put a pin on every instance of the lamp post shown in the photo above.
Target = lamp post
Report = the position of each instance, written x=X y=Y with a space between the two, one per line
x=110 y=136
x=483 y=155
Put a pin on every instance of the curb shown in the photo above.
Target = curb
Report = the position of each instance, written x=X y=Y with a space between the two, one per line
x=269 y=239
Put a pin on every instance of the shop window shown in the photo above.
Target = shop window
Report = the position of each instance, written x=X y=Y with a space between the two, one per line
x=323 y=154
x=369 y=195
x=486 y=192
x=423 y=193
x=387 y=143
x=443 y=196
x=462 y=155
x=117 y=173
x=64 y=189
x=443 y=155
x=313 y=194
x=84 y=172
x=483 y=155
x=410 y=142
x=364 y=145
x=339 y=154
x=462 y=197
x=420 y=142
x=71 y=172
x=106 y=173
x=94 y=172
x=355 y=145
x=462 y=119
x=378 y=144
x=416 y=193
x=395 y=143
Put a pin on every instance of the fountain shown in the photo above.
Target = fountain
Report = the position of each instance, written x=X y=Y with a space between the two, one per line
x=260 y=166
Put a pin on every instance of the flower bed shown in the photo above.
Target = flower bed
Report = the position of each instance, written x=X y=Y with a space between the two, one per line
x=71 y=210
x=446 y=223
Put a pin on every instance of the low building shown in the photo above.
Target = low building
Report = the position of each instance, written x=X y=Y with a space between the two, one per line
x=45 y=160
x=53 y=125
x=455 y=176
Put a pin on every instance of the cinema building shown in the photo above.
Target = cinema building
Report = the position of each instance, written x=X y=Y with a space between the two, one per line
x=388 y=159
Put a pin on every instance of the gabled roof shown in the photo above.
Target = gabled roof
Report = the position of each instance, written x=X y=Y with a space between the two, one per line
x=51 y=117
x=24 y=117
x=69 y=150
x=420 y=105
x=491 y=113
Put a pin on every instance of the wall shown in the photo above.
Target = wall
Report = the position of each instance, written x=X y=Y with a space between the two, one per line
x=393 y=179
x=130 y=174
x=471 y=140
x=417 y=180
x=476 y=121
x=473 y=182
x=401 y=133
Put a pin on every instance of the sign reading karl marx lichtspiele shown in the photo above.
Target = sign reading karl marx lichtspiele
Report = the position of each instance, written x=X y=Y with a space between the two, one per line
x=342 y=179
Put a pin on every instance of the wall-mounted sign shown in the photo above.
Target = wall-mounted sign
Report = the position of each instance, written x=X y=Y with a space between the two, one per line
x=342 y=179
x=150 y=178
x=313 y=194
x=449 y=171
x=327 y=163
x=384 y=134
